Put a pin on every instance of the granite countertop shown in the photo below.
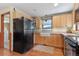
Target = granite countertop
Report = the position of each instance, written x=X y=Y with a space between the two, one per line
x=71 y=38
x=70 y=34
x=62 y=31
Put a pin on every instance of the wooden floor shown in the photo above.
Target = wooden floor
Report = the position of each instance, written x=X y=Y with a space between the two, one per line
x=56 y=52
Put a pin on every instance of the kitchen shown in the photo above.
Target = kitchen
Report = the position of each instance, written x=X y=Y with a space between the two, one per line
x=55 y=29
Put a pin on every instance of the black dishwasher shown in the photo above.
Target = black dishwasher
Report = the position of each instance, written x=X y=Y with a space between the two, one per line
x=70 y=46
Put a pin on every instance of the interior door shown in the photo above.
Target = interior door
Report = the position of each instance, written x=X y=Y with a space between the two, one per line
x=6 y=31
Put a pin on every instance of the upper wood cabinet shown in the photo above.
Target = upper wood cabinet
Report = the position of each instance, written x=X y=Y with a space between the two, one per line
x=61 y=20
x=76 y=12
x=69 y=19
x=77 y=15
x=38 y=22
x=56 y=21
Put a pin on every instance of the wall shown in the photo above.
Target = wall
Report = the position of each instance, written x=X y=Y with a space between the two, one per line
x=38 y=23
x=17 y=14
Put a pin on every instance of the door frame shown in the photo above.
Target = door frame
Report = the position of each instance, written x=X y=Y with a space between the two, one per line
x=2 y=29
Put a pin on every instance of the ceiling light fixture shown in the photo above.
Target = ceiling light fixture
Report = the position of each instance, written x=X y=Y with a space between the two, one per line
x=55 y=4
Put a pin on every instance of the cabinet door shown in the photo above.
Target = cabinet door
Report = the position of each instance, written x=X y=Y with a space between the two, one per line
x=69 y=19
x=55 y=40
x=39 y=39
x=69 y=51
x=56 y=21
x=50 y=40
x=60 y=41
x=63 y=20
x=77 y=16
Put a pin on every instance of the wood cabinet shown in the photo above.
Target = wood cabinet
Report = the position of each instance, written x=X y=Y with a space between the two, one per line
x=38 y=23
x=61 y=20
x=77 y=16
x=69 y=19
x=56 y=21
x=39 y=39
x=55 y=40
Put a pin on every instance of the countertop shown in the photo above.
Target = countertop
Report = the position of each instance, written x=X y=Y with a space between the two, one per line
x=70 y=34
x=71 y=38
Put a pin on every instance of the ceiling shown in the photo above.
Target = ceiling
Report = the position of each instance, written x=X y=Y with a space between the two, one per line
x=39 y=9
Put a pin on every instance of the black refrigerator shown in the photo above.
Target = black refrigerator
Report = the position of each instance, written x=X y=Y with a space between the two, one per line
x=23 y=32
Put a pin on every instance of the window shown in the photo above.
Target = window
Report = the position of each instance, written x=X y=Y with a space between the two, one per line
x=6 y=18
x=46 y=24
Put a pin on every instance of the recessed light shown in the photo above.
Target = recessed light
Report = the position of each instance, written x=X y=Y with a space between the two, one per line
x=55 y=4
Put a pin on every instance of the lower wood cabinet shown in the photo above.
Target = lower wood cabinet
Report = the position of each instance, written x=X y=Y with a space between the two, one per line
x=55 y=40
x=39 y=39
